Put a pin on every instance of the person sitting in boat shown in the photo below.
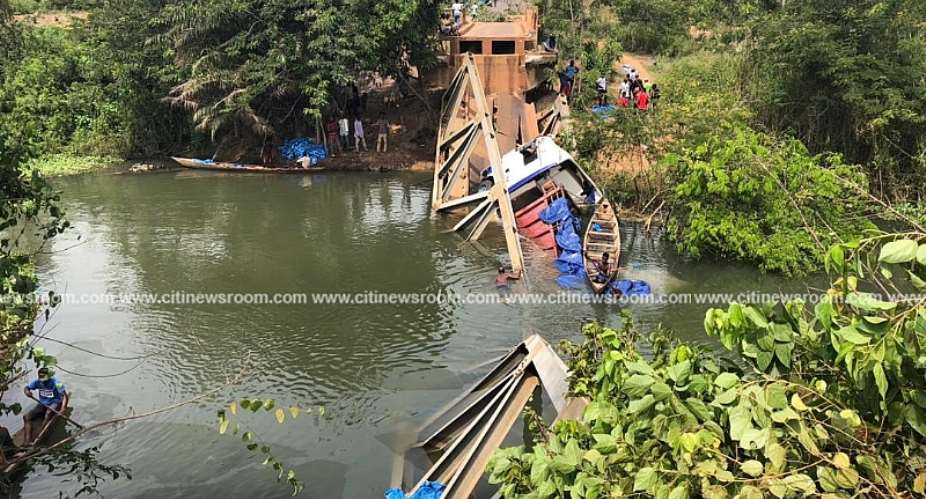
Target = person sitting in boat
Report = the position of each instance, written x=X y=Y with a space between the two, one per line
x=501 y=279
x=53 y=399
x=603 y=269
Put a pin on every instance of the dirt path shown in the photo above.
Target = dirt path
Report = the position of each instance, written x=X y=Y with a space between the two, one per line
x=642 y=63
x=61 y=19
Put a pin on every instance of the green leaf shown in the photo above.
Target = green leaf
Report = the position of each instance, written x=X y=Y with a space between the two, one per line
x=752 y=468
x=867 y=301
x=775 y=396
x=850 y=333
x=280 y=415
x=679 y=492
x=756 y=317
x=294 y=411
x=640 y=405
x=661 y=391
x=645 y=480
x=223 y=426
x=754 y=439
x=776 y=455
x=841 y=460
x=921 y=254
x=797 y=403
x=740 y=420
x=915 y=418
x=268 y=405
x=726 y=397
x=680 y=372
x=638 y=384
x=880 y=380
x=726 y=380
x=763 y=360
x=783 y=353
x=699 y=409
x=900 y=251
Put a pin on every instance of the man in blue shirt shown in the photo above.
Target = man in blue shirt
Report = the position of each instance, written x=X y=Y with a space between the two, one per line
x=53 y=399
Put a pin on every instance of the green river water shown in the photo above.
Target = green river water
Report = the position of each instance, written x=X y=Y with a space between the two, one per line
x=376 y=369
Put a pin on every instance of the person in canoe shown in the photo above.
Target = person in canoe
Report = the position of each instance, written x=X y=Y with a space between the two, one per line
x=53 y=399
x=501 y=279
x=603 y=269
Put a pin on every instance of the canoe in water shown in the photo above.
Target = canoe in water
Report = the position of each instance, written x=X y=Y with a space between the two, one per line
x=602 y=236
x=198 y=164
x=53 y=432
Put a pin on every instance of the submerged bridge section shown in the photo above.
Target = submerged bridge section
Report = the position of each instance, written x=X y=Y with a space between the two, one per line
x=488 y=70
x=466 y=127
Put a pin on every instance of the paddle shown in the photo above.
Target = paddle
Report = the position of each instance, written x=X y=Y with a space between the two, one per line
x=57 y=412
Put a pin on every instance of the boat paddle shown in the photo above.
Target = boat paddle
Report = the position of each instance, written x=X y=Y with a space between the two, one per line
x=59 y=413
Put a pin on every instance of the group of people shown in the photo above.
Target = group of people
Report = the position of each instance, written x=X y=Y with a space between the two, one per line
x=637 y=92
x=338 y=132
x=634 y=91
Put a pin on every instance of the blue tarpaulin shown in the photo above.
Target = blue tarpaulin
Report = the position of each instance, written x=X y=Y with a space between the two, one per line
x=567 y=239
x=556 y=212
x=602 y=110
x=295 y=149
x=631 y=287
x=570 y=262
x=430 y=490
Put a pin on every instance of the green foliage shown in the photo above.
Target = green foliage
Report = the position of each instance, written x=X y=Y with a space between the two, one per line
x=847 y=76
x=57 y=165
x=54 y=100
x=261 y=67
x=749 y=196
x=252 y=443
x=653 y=26
x=826 y=401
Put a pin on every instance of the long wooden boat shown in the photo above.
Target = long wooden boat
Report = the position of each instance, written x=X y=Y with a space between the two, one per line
x=198 y=164
x=602 y=236
x=51 y=433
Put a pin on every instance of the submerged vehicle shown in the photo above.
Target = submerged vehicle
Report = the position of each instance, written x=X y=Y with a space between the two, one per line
x=538 y=173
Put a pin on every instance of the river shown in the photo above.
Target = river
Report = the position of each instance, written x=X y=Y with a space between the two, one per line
x=376 y=369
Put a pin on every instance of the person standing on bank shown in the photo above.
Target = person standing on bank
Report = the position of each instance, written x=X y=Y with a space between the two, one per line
x=359 y=135
x=53 y=399
x=344 y=132
x=382 y=133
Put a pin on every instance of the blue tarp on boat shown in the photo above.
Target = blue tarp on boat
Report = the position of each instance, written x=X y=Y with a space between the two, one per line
x=556 y=212
x=430 y=490
x=295 y=149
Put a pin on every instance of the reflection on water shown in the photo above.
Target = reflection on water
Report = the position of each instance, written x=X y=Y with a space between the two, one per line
x=375 y=368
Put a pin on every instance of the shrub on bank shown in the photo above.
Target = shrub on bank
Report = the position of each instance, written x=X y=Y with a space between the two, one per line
x=59 y=165
x=825 y=401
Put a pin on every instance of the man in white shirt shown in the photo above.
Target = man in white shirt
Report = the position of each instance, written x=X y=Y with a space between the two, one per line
x=344 y=132
x=359 y=135
x=601 y=85
x=457 y=9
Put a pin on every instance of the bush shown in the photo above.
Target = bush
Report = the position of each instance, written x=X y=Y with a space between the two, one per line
x=749 y=196
x=826 y=402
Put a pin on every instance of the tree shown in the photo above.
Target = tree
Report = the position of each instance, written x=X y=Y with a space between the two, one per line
x=261 y=68
x=846 y=76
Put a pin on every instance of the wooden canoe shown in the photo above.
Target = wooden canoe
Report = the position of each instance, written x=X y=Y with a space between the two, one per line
x=197 y=164
x=602 y=236
x=52 y=432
